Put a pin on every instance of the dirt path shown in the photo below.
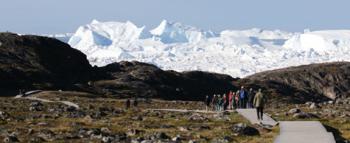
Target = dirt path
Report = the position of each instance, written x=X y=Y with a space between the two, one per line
x=185 y=110
x=29 y=95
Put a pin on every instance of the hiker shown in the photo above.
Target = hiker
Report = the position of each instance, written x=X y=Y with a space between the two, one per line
x=233 y=100
x=207 y=102
x=250 y=98
x=224 y=102
x=259 y=102
x=219 y=102
x=214 y=102
x=242 y=98
x=237 y=99
x=127 y=104
x=135 y=102
x=230 y=100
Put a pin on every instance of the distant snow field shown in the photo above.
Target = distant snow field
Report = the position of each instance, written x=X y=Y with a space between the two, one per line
x=174 y=46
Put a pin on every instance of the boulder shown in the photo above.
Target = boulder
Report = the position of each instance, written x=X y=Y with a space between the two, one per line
x=244 y=129
x=107 y=139
x=313 y=106
x=36 y=106
x=47 y=135
x=303 y=115
x=161 y=135
x=197 y=117
x=137 y=118
x=4 y=115
x=105 y=130
x=177 y=139
x=11 y=138
x=330 y=102
x=36 y=140
x=294 y=110
x=133 y=132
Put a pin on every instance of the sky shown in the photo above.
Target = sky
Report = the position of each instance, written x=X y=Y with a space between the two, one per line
x=63 y=16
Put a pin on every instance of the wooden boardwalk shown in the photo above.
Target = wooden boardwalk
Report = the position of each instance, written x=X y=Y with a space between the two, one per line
x=251 y=115
x=293 y=131
x=303 y=132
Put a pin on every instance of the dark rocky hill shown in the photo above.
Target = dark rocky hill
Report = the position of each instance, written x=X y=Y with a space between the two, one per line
x=34 y=62
x=315 y=82
x=141 y=79
x=39 y=62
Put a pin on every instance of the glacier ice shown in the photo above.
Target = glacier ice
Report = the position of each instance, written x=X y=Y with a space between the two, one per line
x=174 y=46
x=169 y=32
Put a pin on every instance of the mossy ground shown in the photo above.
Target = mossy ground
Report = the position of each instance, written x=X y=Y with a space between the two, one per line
x=171 y=123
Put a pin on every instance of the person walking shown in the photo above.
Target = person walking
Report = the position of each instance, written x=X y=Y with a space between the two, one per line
x=225 y=102
x=259 y=103
x=214 y=102
x=247 y=97
x=251 y=98
x=136 y=103
x=127 y=104
x=233 y=100
x=230 y=100
x=219 y=102
x=242 y=96
x=237 y=99
x=207 y=102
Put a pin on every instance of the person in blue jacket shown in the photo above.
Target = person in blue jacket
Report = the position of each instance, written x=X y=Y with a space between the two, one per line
x=243 y=97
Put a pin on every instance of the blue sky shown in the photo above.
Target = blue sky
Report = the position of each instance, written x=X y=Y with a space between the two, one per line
x=61 y=16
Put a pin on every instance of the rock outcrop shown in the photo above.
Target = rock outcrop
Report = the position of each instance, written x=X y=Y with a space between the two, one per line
x=28 y=62
x=145 y=80
x=315 y=82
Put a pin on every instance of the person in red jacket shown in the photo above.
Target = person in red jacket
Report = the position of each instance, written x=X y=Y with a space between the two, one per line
x=230 y=100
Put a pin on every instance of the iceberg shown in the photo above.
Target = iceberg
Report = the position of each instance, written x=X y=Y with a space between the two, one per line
x=168 y=32
x=239 y=53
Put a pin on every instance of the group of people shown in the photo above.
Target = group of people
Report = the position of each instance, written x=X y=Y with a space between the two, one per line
x=235 y=100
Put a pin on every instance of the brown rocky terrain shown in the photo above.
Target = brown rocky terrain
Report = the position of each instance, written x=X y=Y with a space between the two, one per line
x=315 y=82
x=145 y=80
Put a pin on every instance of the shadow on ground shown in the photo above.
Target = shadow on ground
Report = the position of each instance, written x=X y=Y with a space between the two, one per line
x=337 y=134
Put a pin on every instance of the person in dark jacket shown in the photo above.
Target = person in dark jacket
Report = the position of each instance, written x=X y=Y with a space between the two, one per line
x=135 y=102
x=251 y=96
x=214 y=102
x=219 y=104
x=127 y=104
x=243 y=97
x=207 y=102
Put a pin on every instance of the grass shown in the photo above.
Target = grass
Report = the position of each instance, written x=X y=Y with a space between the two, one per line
x=167 y=122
